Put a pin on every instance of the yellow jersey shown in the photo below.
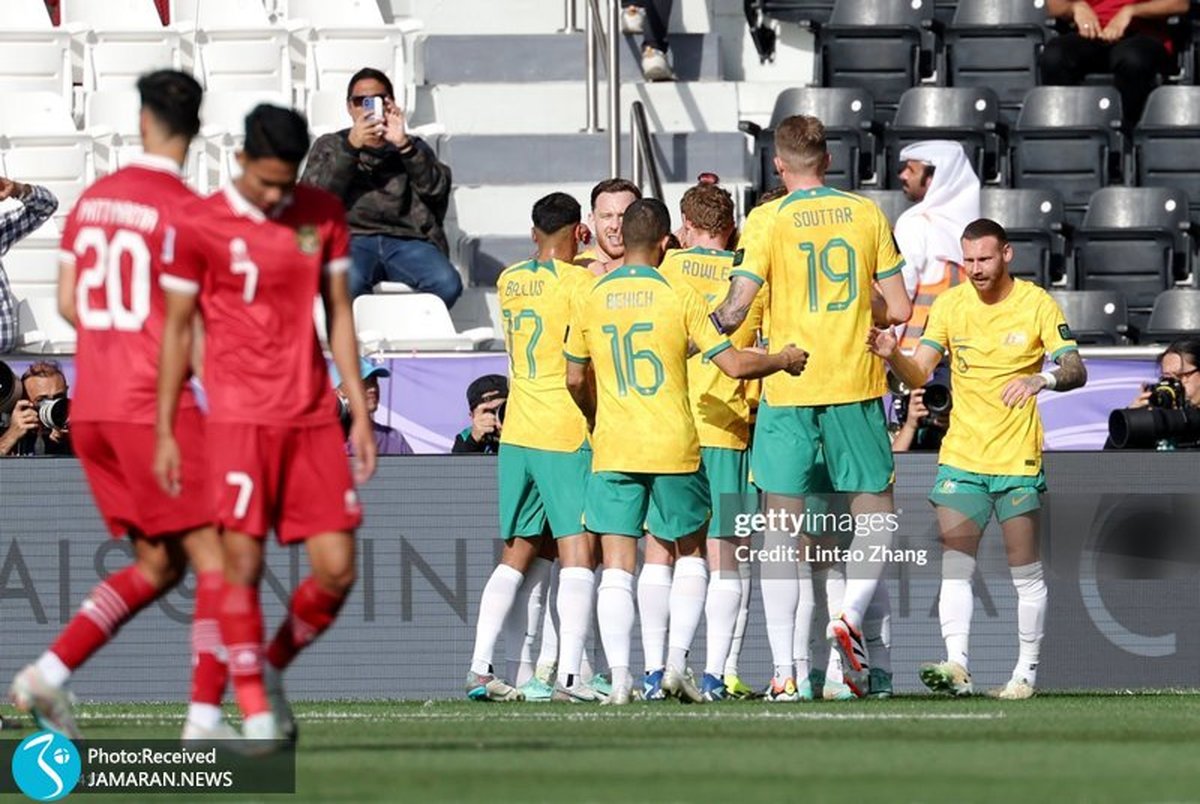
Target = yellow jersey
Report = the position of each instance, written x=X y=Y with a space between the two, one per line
x=634 y=325
x=535 y=303
x=820 y=249
x=720 y=404
x=989 y=345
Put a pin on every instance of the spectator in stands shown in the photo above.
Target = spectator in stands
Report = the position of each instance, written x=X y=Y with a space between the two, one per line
x=38 y=204
x=937 y=175
x=649 y=18
x=486 y=397
x=27 y=434
x=1127 y=38
x=610 y=199
x=388 y=440
x=919 y=431
x=395 y=190
x=1181 y=361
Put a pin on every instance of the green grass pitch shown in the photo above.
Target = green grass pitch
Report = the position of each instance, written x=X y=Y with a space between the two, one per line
x=1085 y=748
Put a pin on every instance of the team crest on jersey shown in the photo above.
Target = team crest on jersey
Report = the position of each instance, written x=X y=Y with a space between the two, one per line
x=1064 y=332
x=1016 y=339
x=352 y=504
x=739 y=257
x=307 y=240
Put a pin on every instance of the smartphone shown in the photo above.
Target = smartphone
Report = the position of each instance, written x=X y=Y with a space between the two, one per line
x=375 y=107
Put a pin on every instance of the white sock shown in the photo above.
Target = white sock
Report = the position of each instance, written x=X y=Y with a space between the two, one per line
x=801 y=652
x=745 y=574
x=523 y=620
x=688 y=590
x=862 y=577
x=576 y=596
x=206 y=716
x=835 y=590
x=818 y=645
x=53 y=671
x=548 y=653
x=780 y=598
x=877 y=629
x=654 y=609
x=498 y=597
x=614 y=606
x=721 y=610
x=956 y=604
x=1031 y=618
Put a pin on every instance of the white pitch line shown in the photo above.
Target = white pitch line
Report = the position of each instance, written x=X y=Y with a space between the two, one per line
x=567 y=716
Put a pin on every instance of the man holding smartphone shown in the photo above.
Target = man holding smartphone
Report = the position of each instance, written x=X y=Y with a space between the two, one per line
x=395 y=190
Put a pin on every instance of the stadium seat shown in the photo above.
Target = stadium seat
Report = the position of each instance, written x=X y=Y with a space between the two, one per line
x=40 y=328
x=224 y=115
x=874 y=44
x=1095 y=316
x=203 y=14
x=24 y=15
x=113 y=59
x=847 y=114
x=1067 y=139
x=968 y=116
x=35 y=61
x=342 y=14
x=892 y=202
x=1034 y=220
x=1135 y=240
x=231 y=45
x=1176 y=313
x=418 y=321
x=32 y=262
x=116 y=15
x=326 y=111
x=39 y=144
x=996 y=44
x=1166 y=142
x=816 y=12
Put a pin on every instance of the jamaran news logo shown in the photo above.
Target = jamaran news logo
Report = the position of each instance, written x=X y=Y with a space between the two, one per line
x=46 y=766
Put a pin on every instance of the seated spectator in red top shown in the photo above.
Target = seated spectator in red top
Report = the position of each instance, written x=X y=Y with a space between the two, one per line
x=1126 y=38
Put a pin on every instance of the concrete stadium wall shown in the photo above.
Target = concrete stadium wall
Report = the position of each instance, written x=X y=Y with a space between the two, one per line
x=428 y=548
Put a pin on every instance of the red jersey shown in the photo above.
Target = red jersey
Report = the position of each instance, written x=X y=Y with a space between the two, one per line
x=116 y=237
x=257 y=277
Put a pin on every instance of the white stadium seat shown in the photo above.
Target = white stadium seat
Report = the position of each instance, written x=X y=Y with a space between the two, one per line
x=114 y=59
x=411 y=321
x=224 y=114
x=24 y=15
x=326 y=110
x=32 y=263
x=208 y=14
x=243 y=59
x=39 y=144
x=35 y=61
x=39 y=326
x=123 y=15
x=342 y=14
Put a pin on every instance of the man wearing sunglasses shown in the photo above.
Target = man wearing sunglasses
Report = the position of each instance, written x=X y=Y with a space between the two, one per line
x=395 y=190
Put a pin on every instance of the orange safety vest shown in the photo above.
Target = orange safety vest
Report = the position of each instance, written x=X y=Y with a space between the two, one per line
x=926 y=293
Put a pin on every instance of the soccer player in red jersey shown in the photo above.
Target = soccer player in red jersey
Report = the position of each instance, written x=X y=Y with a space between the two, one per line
x=113 y=249
x=253 y=256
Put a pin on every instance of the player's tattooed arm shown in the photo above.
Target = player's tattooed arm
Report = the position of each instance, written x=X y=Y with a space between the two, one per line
x=732 y=312
x=1071 y=372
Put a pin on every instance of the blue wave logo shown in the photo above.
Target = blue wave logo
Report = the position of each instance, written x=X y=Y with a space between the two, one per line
x=46 y=766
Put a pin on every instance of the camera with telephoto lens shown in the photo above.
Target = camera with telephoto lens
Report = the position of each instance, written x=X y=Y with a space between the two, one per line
x=1168 y=422
x=938 y=398
x=54 y=414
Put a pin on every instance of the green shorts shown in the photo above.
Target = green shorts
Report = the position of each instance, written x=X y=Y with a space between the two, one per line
x=976 y=495
x=619 y=502
x=789 y=440
x=728 y=473
x=538 y=486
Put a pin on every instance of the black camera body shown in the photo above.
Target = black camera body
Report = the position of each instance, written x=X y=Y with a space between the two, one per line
x=1167 y=393
x=938 y=398
x=1168 y=422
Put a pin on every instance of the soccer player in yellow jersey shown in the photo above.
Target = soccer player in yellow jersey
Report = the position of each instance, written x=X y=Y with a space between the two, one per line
x=610 y=198
x=635 y=328
x=722 y=415
x=544 y=460
x=996 y=332
x=822 y=251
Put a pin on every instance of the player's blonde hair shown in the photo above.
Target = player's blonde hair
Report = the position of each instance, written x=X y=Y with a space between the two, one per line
x=709 y=208
x=800 y=143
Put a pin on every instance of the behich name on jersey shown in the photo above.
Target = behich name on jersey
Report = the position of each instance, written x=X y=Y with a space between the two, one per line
x=822 y=217
x=627 y=299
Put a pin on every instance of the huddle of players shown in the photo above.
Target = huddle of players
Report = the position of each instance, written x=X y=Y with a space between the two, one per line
x=669 y=433
x=144 y=260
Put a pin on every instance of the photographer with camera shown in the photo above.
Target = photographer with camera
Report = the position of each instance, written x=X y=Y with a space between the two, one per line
x=388 y=440
x=486 y=397
x=922 y=415
x=1166 y=414
x=38 y=422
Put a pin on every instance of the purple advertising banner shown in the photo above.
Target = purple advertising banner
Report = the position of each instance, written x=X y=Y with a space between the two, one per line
x=426 y=398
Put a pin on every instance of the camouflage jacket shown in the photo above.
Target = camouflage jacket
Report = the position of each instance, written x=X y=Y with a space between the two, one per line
x=385 y=193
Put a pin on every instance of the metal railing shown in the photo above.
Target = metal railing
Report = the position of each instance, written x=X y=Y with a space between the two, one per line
x=645 y=163
x=602 y=44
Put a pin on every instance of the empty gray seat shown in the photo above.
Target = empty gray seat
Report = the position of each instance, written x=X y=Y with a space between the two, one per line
x=1095 y=316
x=1166 y=142
x=875 y=44
x=1064 y=140
x=996 y=44
x=892 y=202
x=1034 y=221
x=816 y=11
x=965 y=115
x=1135 y=240
x=850 y=135
x=1176 y=313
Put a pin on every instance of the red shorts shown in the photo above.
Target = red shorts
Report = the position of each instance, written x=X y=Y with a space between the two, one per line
x=118 y=459
x=293 y=479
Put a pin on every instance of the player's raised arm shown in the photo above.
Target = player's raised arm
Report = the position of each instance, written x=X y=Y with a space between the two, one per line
x=343 y=345
x=730 y=314
x=913 y=371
